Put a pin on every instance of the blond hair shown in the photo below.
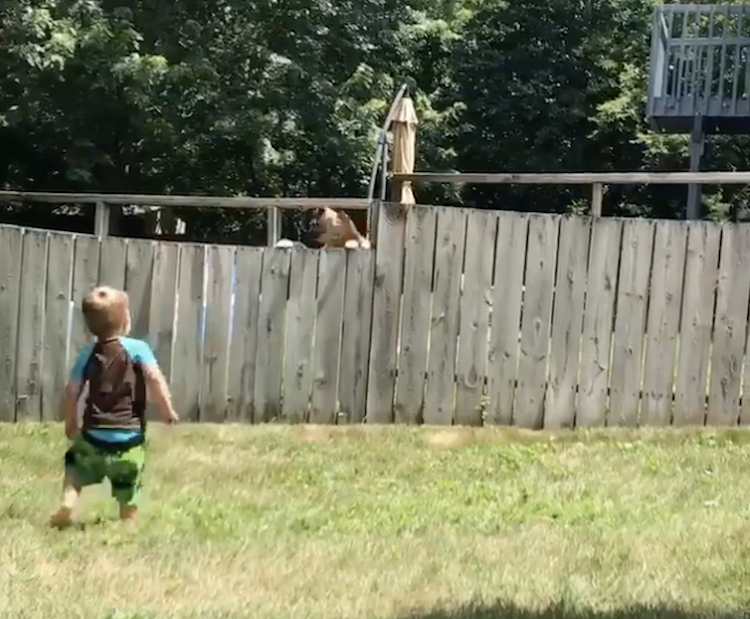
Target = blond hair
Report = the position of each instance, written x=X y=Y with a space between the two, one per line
x=106 y=312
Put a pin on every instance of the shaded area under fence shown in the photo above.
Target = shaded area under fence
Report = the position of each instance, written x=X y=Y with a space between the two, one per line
x=459 y=316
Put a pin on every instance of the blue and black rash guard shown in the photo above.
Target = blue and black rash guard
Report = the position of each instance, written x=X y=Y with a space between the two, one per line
x=114 y=412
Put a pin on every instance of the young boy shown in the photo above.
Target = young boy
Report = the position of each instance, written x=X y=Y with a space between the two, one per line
x=109 y=443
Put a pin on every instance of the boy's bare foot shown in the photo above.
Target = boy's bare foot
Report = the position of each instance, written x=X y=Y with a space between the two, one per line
x=128 y=515
x=62 y=518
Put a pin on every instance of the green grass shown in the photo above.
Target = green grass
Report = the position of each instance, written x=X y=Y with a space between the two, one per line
x=298 y=522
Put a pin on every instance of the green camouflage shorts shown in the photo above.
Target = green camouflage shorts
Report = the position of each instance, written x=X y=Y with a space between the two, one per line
x=90 y=465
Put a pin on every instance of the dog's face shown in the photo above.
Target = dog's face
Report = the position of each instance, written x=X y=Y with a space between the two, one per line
x=336 y=229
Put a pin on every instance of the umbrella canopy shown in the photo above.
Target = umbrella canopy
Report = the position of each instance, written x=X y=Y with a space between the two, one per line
x=404 y=130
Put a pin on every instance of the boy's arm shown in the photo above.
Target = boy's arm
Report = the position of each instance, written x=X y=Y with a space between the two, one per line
x=72 y=393
x=157 y=384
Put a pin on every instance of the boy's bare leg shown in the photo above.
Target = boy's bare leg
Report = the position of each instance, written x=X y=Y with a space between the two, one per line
x=63 y=517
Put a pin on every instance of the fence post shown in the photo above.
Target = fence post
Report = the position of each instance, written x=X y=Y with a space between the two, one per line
x=597 y=196
x=101 y=219
x=274 y=225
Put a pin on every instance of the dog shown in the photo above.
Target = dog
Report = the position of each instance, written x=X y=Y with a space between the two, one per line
x=337 y=230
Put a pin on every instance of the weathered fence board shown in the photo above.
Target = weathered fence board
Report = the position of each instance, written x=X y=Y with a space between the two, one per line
x=630 y=323
x=593 y=381
x=474 y=316
x=389 y=259
x=300 y=332
x=163 y=303
x=441 y=362
x=31 y=327
x=11 y=242
x=85 y=277
x=663 y=324
x=269 y=360
x=214 y=397
x=355 y=342
x=241 y=376
x=535 y=320
x=57 y=311
x=696 y=320
x=113 y=261
x=567 y=323
x=327 y=351
x=421 y=225
x=730 y=324
x=138 y=281
x=188 y=345
x=502 y=357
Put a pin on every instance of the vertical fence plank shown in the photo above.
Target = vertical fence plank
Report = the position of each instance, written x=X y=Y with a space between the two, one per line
x=630 y=322
x=502 y=358
x=138 y=283
x=327 y=352
x=663 y=322
x=269 y=360
x=57 y=310
x=389 y=258
x=535 y=321
x=730 y=324
x=474 y=317
x=85 y=277
x=300 y=329
x=441 y=362
x=29 y=355
x=113 y=261
x=241 y=379
x=186 y=372
x=696 y=320
x=567 y=323
x=421 y=223
x=11 y=241
x=593 y=381
x=216 y=341
x=355 y=339
x=163 y=302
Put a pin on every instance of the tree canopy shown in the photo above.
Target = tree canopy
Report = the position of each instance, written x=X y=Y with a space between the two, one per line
x=286 y=97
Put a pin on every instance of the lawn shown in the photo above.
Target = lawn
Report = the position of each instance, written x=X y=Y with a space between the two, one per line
x=307 y=522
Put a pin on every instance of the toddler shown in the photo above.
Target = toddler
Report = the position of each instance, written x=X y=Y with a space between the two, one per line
x=109 y=441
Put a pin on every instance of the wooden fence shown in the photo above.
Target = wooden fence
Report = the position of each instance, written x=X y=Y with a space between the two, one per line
x=459 y=316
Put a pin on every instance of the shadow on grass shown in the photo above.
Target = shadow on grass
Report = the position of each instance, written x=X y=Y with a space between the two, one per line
x=504 y=610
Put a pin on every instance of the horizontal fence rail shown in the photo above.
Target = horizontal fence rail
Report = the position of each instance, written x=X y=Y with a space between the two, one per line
x=581 y=178
x=597 y=180
x=459 y=316
x=190 y=201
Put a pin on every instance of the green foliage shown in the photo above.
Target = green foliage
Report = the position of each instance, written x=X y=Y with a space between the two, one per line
x=287 y=98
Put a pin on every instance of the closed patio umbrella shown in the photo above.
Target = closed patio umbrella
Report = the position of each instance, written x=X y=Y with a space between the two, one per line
x=403 y=155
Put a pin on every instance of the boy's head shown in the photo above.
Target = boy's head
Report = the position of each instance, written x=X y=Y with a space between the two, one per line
x=106 y=312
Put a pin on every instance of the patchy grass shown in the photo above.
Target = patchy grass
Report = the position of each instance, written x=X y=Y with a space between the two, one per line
x=294 y=521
